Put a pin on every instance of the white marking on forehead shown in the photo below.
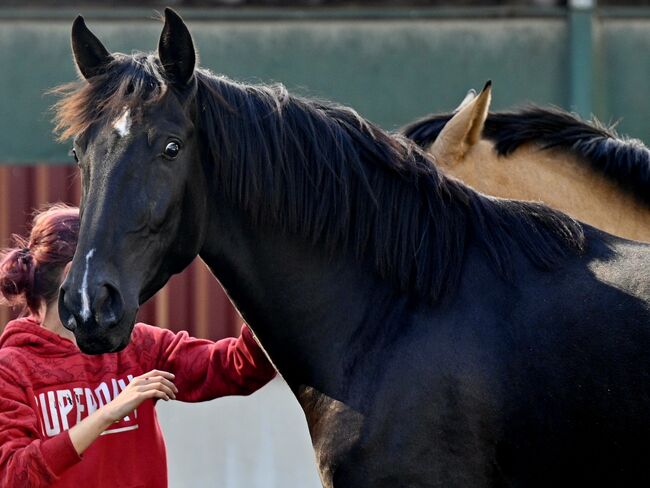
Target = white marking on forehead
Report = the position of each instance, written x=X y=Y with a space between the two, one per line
x=123 y=124
x=85 y=300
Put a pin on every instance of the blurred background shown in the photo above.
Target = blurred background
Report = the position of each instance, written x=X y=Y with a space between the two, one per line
x=392 y=60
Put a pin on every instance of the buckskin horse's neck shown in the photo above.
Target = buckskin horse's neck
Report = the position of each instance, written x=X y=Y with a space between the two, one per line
x=313 y=315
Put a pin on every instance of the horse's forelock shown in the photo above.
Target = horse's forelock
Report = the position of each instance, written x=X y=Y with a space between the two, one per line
x=131 y=81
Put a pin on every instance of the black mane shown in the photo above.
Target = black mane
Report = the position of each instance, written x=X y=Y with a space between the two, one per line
x=624 y=161
x=318 y=170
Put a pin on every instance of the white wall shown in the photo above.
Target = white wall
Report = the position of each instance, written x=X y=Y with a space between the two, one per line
x=259 y=441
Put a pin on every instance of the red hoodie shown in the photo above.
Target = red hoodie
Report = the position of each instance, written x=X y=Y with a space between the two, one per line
x=47 y=385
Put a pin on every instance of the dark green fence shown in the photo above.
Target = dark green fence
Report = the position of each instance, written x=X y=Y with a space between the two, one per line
x=390 y=65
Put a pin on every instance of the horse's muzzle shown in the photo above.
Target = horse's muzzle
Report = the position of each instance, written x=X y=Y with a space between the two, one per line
x=95 y=315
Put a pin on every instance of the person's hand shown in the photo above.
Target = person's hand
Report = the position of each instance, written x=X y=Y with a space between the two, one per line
x=154 y=384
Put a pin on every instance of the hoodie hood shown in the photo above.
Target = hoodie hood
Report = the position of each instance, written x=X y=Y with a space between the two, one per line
x=27 y=333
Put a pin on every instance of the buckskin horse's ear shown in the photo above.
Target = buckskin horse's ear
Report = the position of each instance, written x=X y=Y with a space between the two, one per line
x=176 y=49
x=91 y=56
x=471 y=95
x=463 y=130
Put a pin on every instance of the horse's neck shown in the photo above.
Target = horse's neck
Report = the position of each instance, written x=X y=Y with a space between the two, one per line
x=313 y=315
x=559 y=179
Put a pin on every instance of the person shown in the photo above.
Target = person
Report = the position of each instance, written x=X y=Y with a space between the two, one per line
x=69 y=419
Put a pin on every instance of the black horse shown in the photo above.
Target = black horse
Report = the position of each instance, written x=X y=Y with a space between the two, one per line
x=433 y=336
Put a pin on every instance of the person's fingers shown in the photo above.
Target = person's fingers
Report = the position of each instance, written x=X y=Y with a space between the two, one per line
x=157 y=386
x=169 y=384
x=170 y=393
x=160 y=394
x=160 y=379
x=155 y=394
x=157 y=372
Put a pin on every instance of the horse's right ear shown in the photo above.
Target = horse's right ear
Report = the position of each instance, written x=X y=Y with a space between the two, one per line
x=463 y=130
x=91 y=56
x=176 y=49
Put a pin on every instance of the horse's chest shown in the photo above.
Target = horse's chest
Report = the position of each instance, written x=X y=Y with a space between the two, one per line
x=433 y=430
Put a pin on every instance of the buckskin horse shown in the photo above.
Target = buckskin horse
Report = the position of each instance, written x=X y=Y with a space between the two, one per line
x=544 y=154
x=434 y=336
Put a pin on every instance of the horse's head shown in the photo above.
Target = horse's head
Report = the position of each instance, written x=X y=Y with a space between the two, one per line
x=143 y=194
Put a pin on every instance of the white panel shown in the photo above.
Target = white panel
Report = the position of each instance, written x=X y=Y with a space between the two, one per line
x=259 y=441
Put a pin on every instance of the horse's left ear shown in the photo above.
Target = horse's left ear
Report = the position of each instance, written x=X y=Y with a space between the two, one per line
x=471 y=95
x=176 y=49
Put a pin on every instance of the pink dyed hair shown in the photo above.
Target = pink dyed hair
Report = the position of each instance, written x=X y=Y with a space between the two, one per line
x=32 y=270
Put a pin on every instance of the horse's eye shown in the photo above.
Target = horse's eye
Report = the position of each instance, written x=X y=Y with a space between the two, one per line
x=172 y=149
x=73 y=153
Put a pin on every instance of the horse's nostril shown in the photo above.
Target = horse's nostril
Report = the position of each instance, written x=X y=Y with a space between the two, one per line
x=67 y=318
x=103 y=307
x=108 y=306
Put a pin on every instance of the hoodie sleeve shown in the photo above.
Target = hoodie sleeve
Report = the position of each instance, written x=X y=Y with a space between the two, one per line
x=25 y=458
x=205 y=369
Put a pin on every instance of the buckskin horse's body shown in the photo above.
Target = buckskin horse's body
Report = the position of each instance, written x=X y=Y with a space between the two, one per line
x=434 y=337
x=544 y=154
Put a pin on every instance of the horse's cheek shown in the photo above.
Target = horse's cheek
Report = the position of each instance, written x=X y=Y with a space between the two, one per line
x=164 y=190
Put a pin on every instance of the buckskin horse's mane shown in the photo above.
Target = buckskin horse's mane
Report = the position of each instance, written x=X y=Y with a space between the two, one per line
x=319 y=170
x=624 y=161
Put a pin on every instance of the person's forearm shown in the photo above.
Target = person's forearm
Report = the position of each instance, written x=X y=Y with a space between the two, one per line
x=85 y=432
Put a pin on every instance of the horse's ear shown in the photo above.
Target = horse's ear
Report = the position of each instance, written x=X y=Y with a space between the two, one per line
x=91 y=56
x=176 y=49
x=471 y=95
x=464 y=129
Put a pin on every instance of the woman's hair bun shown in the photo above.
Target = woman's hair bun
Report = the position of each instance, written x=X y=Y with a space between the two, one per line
x=16 y=275
x=31 y=271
